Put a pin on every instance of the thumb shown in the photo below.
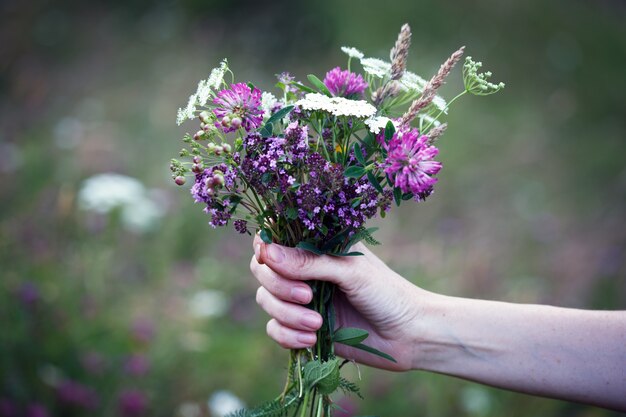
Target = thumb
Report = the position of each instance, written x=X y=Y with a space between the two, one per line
x=298 y=264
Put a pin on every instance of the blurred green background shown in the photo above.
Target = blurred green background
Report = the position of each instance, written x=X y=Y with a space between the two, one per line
x=150 y=312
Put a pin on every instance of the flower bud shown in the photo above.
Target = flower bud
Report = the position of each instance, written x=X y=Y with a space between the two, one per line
x=209 y=182
x=211 y=147
x=196 y=159
x=226 y=121
x=227 y=148
x=199 y=135
x=218 y=179
x=210 y=191
x=236 y=122
x=197 y=168
x=218 y=150
x=180 y=180
x=204 y=117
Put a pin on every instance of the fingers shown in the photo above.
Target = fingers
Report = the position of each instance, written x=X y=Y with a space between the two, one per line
x=289 y=338
x=291 y=315
x=284 y=289
x=298 y=264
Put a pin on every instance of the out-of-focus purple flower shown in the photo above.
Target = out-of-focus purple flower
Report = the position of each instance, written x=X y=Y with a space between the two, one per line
x=137 y=365
x=8 y=408
x=143 y=330
x=410 y=163
x=344 y=83
x=238 y=107
x=36 y=410
x=132 y=403
x=78 y=395
x=93 y=362
x=29 y=293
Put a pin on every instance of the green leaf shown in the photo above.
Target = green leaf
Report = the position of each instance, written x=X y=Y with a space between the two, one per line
x=336 y=240
x=308 y=246
x=390 y=129
x=358 y=153
x=303 y=87
x=374 y=351
x=319 y=84
x=374 y=181
x=280 y=114
x=292 y=213
x=349 y=387
x=397 y=195
x=265 y=236
x=267 y=130
x=323 y=375
x=350 y=336
x=354 y=253
x=251 y=86
x=354 y=172
x=407 y=196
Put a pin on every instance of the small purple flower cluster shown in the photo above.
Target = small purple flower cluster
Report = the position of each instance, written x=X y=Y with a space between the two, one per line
x=78 y=395
x=344 y=83
x=410 y=163
x=207 y=187
x=330 y=203
x=238 y=107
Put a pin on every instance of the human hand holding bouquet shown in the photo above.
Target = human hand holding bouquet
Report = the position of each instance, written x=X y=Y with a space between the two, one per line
x=308 y=169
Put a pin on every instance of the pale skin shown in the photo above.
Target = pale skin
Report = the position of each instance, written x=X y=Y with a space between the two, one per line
x=569 y=354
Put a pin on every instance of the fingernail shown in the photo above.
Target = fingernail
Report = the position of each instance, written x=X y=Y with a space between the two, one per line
x=301 y=295
x=257 y=252
x=307 y=338
x=312 y=321
x=275 y=253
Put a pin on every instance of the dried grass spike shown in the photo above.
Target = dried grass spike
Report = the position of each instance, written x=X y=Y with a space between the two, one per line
x=436 y=132
x=400 y=52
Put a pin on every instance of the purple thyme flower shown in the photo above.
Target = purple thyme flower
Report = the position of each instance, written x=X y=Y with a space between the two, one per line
x=241 y=226
x=344 y=83
x=238 y=107
x=137 y=365
x=36 y=410
x=410 y=162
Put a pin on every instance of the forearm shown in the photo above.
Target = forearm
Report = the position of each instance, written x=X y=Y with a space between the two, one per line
x=562 y=353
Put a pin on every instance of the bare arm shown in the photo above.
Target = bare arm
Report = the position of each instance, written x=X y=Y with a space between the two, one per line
x=569 y=354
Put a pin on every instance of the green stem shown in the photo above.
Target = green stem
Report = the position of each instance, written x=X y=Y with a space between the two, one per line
x=442 y=110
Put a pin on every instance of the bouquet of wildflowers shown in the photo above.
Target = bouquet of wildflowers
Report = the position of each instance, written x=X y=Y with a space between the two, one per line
x=308 y=168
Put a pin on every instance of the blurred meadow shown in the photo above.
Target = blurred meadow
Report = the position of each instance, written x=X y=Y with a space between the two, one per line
x=139 y=308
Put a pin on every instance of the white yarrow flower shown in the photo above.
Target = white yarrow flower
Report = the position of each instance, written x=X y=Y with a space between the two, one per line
x=268 y=101
x=337 y=106
x=412 y=82
x=204 y=91
x=352 y=52
x=376 y=67
x=376 y=124
x=223 y=403
x=441 y=104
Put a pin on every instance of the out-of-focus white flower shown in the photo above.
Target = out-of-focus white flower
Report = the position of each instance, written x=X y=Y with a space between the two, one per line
x=224 y=402
x=376 y=67
x=376 y=124
x=105 y=192
x=208 y=303
x=268 y=101
x=352 y=52
x=476 y=401
x=337 y=106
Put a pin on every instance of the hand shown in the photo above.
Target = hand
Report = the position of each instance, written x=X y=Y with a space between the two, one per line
x=371 y=297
